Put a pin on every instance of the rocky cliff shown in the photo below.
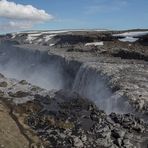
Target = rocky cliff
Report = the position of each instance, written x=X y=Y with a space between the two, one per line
x=74 y=89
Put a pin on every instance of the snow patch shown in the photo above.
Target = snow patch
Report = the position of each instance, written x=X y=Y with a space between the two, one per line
x=129 y=39
x=54 y=32
x=95 y=44
x=39 y=40
x=49 y=37
x=99 y=30
x=132 y=34
x=51 y=45
x=13 y=36
x=32 y=37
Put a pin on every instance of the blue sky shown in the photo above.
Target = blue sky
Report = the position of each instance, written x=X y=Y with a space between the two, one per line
x=78 y=14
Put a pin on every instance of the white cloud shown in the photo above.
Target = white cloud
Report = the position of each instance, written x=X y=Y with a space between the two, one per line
x=12 y=10
x=16 y=25
x=21 y=16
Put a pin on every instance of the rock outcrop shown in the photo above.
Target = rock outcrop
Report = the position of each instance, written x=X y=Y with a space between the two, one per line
x=65 y=119
x=88 y=94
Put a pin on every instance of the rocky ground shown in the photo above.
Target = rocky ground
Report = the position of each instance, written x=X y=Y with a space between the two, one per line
x=123 y=64
x=62 y=119
x=34 y=117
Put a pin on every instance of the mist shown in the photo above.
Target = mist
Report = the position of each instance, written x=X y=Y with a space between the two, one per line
x=48 y=72
x=34 y=66
x=92 y=85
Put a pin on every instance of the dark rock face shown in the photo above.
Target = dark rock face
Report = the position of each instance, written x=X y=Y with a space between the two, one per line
x=76 y=122
x=65 y=119
x=83 y=38
x=125 y=54
x=144 y=40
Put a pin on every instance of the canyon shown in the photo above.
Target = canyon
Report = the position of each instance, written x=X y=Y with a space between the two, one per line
x=82 y=88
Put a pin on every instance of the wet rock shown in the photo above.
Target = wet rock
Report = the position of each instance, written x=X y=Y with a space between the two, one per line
x=2 y=76
x=19 y=94
x=66 y=129
x=23 y=82
x=104 y=142
x=35 y=88
x=66 y=119
x=3 y=84
x=126 y=54
x=128 y=121
x=1 y=93
x=78 y=143
x=118 y=133
x=118 y=142
x=84 y=138
x=126 y=142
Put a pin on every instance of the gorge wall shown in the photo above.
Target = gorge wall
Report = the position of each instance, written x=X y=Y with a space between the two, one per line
x=51 y=71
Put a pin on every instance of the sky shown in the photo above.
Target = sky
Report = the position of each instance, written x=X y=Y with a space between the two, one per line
x=16 y=15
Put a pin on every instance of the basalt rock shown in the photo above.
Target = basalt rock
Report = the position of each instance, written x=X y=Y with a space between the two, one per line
x=101 y=99
x=66 y=119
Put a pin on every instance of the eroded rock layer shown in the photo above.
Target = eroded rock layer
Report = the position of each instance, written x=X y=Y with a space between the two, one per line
x=83 y=89
x=63 y=119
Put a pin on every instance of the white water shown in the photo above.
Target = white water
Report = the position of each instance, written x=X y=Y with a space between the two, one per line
x=39 y=69
x=35 y=67
x=91 y=85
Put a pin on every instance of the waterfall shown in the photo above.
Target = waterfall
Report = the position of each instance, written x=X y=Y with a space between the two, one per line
x=90 y=84
x=54 y=72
